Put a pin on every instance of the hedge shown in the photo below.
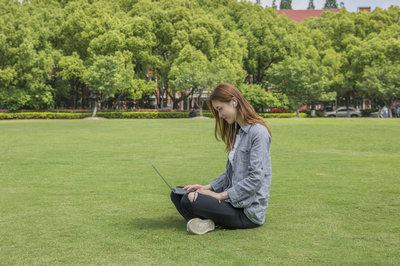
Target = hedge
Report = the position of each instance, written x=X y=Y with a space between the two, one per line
x=146 y=115
x=268 y=115
x=318 y=113
x=43 y=115
x=282 y=115
x=122 y=115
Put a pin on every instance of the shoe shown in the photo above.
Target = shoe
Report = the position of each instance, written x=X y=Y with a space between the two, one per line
x=198 y=226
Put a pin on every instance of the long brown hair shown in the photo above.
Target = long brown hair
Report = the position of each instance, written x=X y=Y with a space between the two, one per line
x=224 y=92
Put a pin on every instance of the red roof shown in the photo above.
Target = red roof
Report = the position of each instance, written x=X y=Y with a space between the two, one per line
x=299 y=15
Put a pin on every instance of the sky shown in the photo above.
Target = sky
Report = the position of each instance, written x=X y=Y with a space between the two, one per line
x=350 y=5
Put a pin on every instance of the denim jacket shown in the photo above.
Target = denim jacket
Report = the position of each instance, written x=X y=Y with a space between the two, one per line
x=248 y=179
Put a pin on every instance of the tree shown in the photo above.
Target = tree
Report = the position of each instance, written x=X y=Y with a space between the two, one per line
x=27 y=57
x=274 y=5
x=270 y=38
x=101 y=28
x=311 y=4
x=130 y=85
x=285 y=4
x=102 y=77
x=188 y=73
x=330 y=4
x=176 y=28
x=71 y=69
x=47 y=46
x=260 y=99
x=337 y=36
x=383 y=81
x=138 y=90
x=301 y=79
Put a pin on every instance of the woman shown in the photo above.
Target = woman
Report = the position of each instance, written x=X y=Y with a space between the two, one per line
x=238 y=198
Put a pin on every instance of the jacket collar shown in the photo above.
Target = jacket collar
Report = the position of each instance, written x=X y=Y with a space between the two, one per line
x=245 y=128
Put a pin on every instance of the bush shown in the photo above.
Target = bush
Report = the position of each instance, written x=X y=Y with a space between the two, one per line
x=268 y=115
x=281 y=115
x=43 y=115
x=318 y=113
x=146 y=115
x=208 y=114
x=122 y=115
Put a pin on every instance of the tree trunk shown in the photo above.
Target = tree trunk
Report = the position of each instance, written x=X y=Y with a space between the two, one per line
x=348 y=104
x=162 y=97
x=390 y=104
x=379 y=112
x=297 y=107
x=312 y=109
x=76 y=92
x=201 y=107
x=176 y=100
x=175 y=103
x=200 y=103
x=82 y=96
x=96 y=102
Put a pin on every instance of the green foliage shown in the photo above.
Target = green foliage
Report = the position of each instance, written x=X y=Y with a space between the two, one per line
x=330 y=4
x=274 y=6
x=138 y=88
x=268 y=115
x=285 y=4
x=121 y=115
x=27 y=57
x=311 y=4
x=103 y=76
x=43 y=115
x=282 y=115
x=382 y=82
x=270 y=39
x=50 y=50
x=71 y=67
x=300 y=79
x=350 y=42
x=260 y=99
x=146 y=115
x=80 y=115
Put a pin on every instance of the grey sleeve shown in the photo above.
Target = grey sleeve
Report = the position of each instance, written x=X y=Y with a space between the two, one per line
x=242 y=193
x=221 y=182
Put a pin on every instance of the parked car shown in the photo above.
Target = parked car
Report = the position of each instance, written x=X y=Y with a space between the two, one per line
x=342 y=112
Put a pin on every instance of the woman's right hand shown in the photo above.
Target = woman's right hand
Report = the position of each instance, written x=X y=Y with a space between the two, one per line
x=197 y=187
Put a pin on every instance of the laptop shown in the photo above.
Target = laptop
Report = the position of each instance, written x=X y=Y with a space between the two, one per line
x=176 y=190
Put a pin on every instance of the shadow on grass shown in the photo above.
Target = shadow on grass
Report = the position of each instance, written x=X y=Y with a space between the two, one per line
x=162 y=222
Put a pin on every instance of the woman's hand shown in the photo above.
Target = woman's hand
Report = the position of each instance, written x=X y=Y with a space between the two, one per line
x=197 y=187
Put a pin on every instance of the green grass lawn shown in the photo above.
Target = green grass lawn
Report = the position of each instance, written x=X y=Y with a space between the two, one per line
x=83 y=192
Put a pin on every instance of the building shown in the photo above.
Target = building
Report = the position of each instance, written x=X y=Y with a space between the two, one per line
x=300 y=15
x=368 y=9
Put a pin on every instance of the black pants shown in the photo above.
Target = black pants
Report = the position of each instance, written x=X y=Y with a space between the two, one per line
x=206 y=207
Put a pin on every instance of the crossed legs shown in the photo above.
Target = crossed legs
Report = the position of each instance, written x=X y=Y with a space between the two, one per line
x=196 y=205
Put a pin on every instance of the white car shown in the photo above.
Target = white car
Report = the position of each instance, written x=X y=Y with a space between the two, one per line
x=342 y=112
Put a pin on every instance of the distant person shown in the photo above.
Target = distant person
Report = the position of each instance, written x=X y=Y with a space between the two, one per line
x=398 y=111
x=238 y=198
x=385 y=112
x=193 y=113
